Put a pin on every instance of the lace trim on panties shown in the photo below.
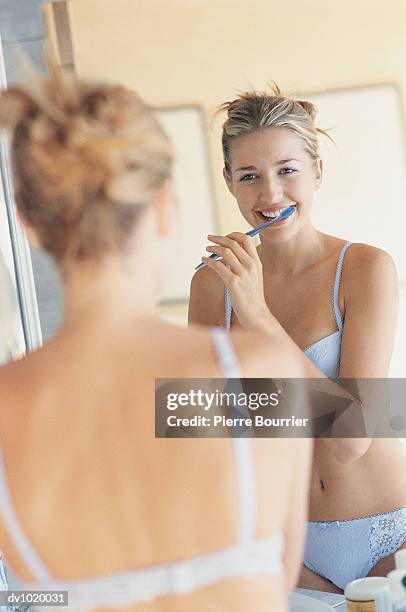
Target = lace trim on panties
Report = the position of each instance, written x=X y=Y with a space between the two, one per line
x=387 y=534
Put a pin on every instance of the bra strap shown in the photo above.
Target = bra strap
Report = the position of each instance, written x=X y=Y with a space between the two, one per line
x=247 y=489
x=16 y=531
x=228 y=307
x=3 y=576
x=225 y=353
x=242 y=446
x=336 y=286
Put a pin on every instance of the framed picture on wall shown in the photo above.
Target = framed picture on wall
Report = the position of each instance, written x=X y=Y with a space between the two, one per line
x=363 y=193
x=185 y=127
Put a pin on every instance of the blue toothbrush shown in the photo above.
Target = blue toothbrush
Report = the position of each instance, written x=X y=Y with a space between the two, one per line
x=257 y=230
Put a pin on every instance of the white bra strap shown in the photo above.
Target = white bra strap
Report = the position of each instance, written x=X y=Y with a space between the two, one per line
x=247 y=489
x=225 y=352
x=242 y=446
x=16 y=531
x=3 y=577
x=228 y=307
x=336 y=286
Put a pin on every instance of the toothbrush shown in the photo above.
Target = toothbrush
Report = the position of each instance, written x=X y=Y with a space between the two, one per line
x=257 y=230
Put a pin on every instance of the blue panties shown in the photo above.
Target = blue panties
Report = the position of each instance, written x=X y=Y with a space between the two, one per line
x=341 y=551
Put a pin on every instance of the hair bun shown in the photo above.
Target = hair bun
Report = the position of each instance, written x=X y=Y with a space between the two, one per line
x=86 y=157
x=15 y=106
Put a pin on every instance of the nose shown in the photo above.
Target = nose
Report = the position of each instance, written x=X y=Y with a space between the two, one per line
x=272 y=190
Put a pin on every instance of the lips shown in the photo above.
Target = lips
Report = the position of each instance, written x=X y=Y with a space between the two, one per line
x=270 y=212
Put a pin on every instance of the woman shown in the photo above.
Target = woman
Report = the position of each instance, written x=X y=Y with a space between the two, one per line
x=335 y=302
x=90 y=501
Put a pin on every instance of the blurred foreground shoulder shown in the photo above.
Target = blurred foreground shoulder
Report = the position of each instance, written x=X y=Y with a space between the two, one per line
x=267 y=355
x=206 y=302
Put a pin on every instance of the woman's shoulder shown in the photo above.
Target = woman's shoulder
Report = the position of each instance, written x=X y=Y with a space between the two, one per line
x=367 y=252
x=360 y=260
x=20 y=387
x=368 y=275
x=360 y=252
x=23 y=368
x=206 y=304
x=206 y=280
x=365 y=263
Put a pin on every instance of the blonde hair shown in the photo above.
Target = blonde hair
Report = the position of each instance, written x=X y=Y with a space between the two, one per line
x=86 y=158
x=254 y=111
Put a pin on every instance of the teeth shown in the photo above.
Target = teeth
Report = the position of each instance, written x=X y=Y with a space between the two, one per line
x=272 y=213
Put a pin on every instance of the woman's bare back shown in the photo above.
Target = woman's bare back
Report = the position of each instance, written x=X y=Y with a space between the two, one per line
x=96 y=492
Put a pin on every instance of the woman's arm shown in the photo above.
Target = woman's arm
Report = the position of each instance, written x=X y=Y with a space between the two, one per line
x=371 y=313
x=206 y=302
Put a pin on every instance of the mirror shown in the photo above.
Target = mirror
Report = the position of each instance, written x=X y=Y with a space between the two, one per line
x=141 y=53
x=186 y=58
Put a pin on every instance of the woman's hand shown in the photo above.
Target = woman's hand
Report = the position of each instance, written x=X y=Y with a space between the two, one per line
x=241 y=272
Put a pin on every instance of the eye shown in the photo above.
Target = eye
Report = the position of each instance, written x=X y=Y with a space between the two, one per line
x=249 y=177
x=287 y=170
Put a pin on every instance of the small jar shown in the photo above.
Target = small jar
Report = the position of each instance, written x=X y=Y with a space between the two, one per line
x=370 y=594
x=397 y=582
x=400 y=559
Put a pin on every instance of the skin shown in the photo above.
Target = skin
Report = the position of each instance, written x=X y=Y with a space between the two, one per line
x=77 y=432
x=284 y=287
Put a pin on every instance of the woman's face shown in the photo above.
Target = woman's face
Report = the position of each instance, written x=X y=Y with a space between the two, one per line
x=270 y=170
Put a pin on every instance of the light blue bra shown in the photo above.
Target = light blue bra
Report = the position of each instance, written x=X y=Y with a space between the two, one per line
x=247 y=557
x=325 y=353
